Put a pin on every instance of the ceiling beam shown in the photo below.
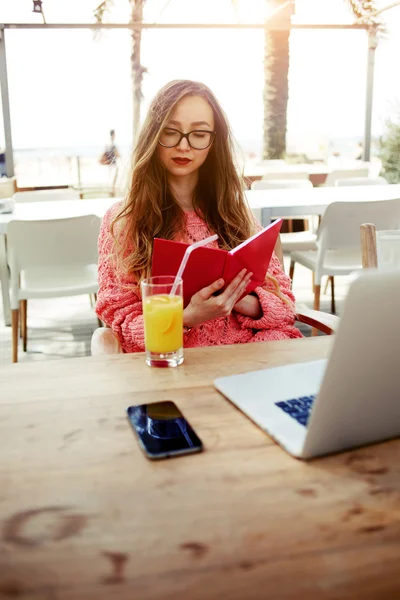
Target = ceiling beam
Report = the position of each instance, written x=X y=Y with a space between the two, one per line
x=263 y=26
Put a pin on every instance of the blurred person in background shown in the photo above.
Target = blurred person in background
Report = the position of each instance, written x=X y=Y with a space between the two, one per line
x=110 y=157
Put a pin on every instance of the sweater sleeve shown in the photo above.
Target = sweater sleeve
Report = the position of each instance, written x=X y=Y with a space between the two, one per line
x=277 y=313
x=119 y=303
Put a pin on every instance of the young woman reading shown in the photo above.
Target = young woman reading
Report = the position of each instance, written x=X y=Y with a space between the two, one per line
x=185 y=187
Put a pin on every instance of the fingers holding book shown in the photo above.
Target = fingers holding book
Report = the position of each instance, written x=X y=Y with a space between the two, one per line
x=204 y=305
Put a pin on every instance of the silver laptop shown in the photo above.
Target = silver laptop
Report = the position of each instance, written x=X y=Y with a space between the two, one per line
x=350 y=399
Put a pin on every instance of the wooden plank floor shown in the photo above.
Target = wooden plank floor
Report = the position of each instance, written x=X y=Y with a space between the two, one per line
x=63 y=327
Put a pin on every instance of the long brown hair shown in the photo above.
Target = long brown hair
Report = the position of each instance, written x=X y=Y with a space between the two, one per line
x=150 y=209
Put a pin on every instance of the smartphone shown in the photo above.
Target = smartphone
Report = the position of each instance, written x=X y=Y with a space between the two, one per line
x=162 y=430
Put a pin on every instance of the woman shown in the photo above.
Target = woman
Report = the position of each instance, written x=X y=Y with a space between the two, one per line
x=185 y=187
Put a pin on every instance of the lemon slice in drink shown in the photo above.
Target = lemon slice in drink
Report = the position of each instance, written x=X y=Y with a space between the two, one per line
x=161 y=315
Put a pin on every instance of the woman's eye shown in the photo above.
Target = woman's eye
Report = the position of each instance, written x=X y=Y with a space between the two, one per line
x=199 y=134
x=169 y=132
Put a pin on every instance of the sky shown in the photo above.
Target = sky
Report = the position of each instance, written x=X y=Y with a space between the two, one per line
x=68 y=89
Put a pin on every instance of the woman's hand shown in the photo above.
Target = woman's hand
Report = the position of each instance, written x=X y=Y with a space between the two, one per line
x=204 y=306
x=249 y=306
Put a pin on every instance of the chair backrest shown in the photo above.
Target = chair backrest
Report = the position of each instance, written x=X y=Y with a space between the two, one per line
x=380 y=248
x=340 y=225
x=361 y=181
x=283 y=174
x=44 y=195
x=52 y=243
x=336 y=174
x=7 y=186
x=275 y=184
x=273 y=162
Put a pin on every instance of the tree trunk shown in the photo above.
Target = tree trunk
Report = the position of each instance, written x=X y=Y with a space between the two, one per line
x=136 y=68
x=276 y=87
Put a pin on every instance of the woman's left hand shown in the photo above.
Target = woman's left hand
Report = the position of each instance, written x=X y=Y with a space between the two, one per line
x=249 y=306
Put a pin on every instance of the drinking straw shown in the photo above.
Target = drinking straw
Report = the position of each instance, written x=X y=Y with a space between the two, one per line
x=185 y=258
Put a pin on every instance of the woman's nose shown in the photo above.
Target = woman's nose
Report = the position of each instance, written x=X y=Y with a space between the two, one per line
x=183 y=145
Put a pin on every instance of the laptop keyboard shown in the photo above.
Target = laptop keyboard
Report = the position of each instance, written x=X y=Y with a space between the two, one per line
x=298 y=408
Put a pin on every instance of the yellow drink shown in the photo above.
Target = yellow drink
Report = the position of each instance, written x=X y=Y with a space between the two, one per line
x=163 y=323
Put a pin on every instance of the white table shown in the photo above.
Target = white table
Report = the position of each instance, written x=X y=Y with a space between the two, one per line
x=297 y=202
x=51 y=209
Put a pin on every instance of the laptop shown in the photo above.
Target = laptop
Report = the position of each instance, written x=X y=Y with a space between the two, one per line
x=350 y=399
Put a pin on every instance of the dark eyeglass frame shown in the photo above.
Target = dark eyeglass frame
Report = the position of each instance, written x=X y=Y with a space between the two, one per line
x=186 y=135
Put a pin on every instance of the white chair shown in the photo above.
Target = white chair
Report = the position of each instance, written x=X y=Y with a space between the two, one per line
x=361 y=181
x=44 y=195
x=338 y=242
x=279 y=163
x=7 y=186
x=276 y=184
x=49 y=259
x=285 y=174
x=294 y=240
x=336 y=174
x=355 y=181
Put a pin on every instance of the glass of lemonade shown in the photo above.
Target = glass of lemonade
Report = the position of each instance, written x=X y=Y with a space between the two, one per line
x=163 y=321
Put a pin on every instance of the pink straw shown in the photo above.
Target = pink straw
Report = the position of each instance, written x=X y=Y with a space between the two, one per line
x=185 y=258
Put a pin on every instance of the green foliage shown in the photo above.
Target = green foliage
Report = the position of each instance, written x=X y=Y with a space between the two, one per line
x=389 y=151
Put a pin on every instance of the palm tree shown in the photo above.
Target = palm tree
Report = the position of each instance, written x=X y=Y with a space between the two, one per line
x=137 y=69
x=276 y=69
x=363 y=9
x=276 y=85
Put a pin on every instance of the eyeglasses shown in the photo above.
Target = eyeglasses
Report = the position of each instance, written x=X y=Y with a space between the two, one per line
x=198 y=139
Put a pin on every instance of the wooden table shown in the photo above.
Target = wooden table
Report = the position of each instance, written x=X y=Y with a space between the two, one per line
x=317 y=172
x=84 y=515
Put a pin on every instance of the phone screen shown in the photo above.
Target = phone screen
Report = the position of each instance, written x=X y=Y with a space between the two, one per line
x=162 y=430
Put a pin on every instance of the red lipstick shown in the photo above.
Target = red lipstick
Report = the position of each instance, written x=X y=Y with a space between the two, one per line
x=181 y=161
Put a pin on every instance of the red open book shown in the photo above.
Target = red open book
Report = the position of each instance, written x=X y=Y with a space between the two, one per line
x=206 y=265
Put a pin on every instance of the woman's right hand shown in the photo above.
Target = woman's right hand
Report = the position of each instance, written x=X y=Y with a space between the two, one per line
x=204 y=306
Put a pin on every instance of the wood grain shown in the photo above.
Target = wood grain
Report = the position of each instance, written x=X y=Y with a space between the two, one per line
x=368 y=246
x=83 y=514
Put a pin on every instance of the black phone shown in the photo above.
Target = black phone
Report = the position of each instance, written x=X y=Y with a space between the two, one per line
x=162 y=430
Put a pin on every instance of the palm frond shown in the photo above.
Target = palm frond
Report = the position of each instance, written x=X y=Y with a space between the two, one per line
x=363 y=11
x=102 y=10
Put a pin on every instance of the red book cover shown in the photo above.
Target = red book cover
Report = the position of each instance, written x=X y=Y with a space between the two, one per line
x=206 y=265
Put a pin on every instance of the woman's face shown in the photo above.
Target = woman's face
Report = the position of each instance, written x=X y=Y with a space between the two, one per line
x=192 y=113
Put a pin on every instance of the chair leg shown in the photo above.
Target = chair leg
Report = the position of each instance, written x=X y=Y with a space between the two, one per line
x=333 y=306
x=327 y=284
x=14 y=329
x=291 y=270
x=25 y=338
x=99 y=321
x=317 y=295
x=93 y=299
x=21 y=321
x=23 y=307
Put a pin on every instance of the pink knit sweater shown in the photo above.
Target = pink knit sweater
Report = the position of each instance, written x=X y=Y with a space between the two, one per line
x=119 y=302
